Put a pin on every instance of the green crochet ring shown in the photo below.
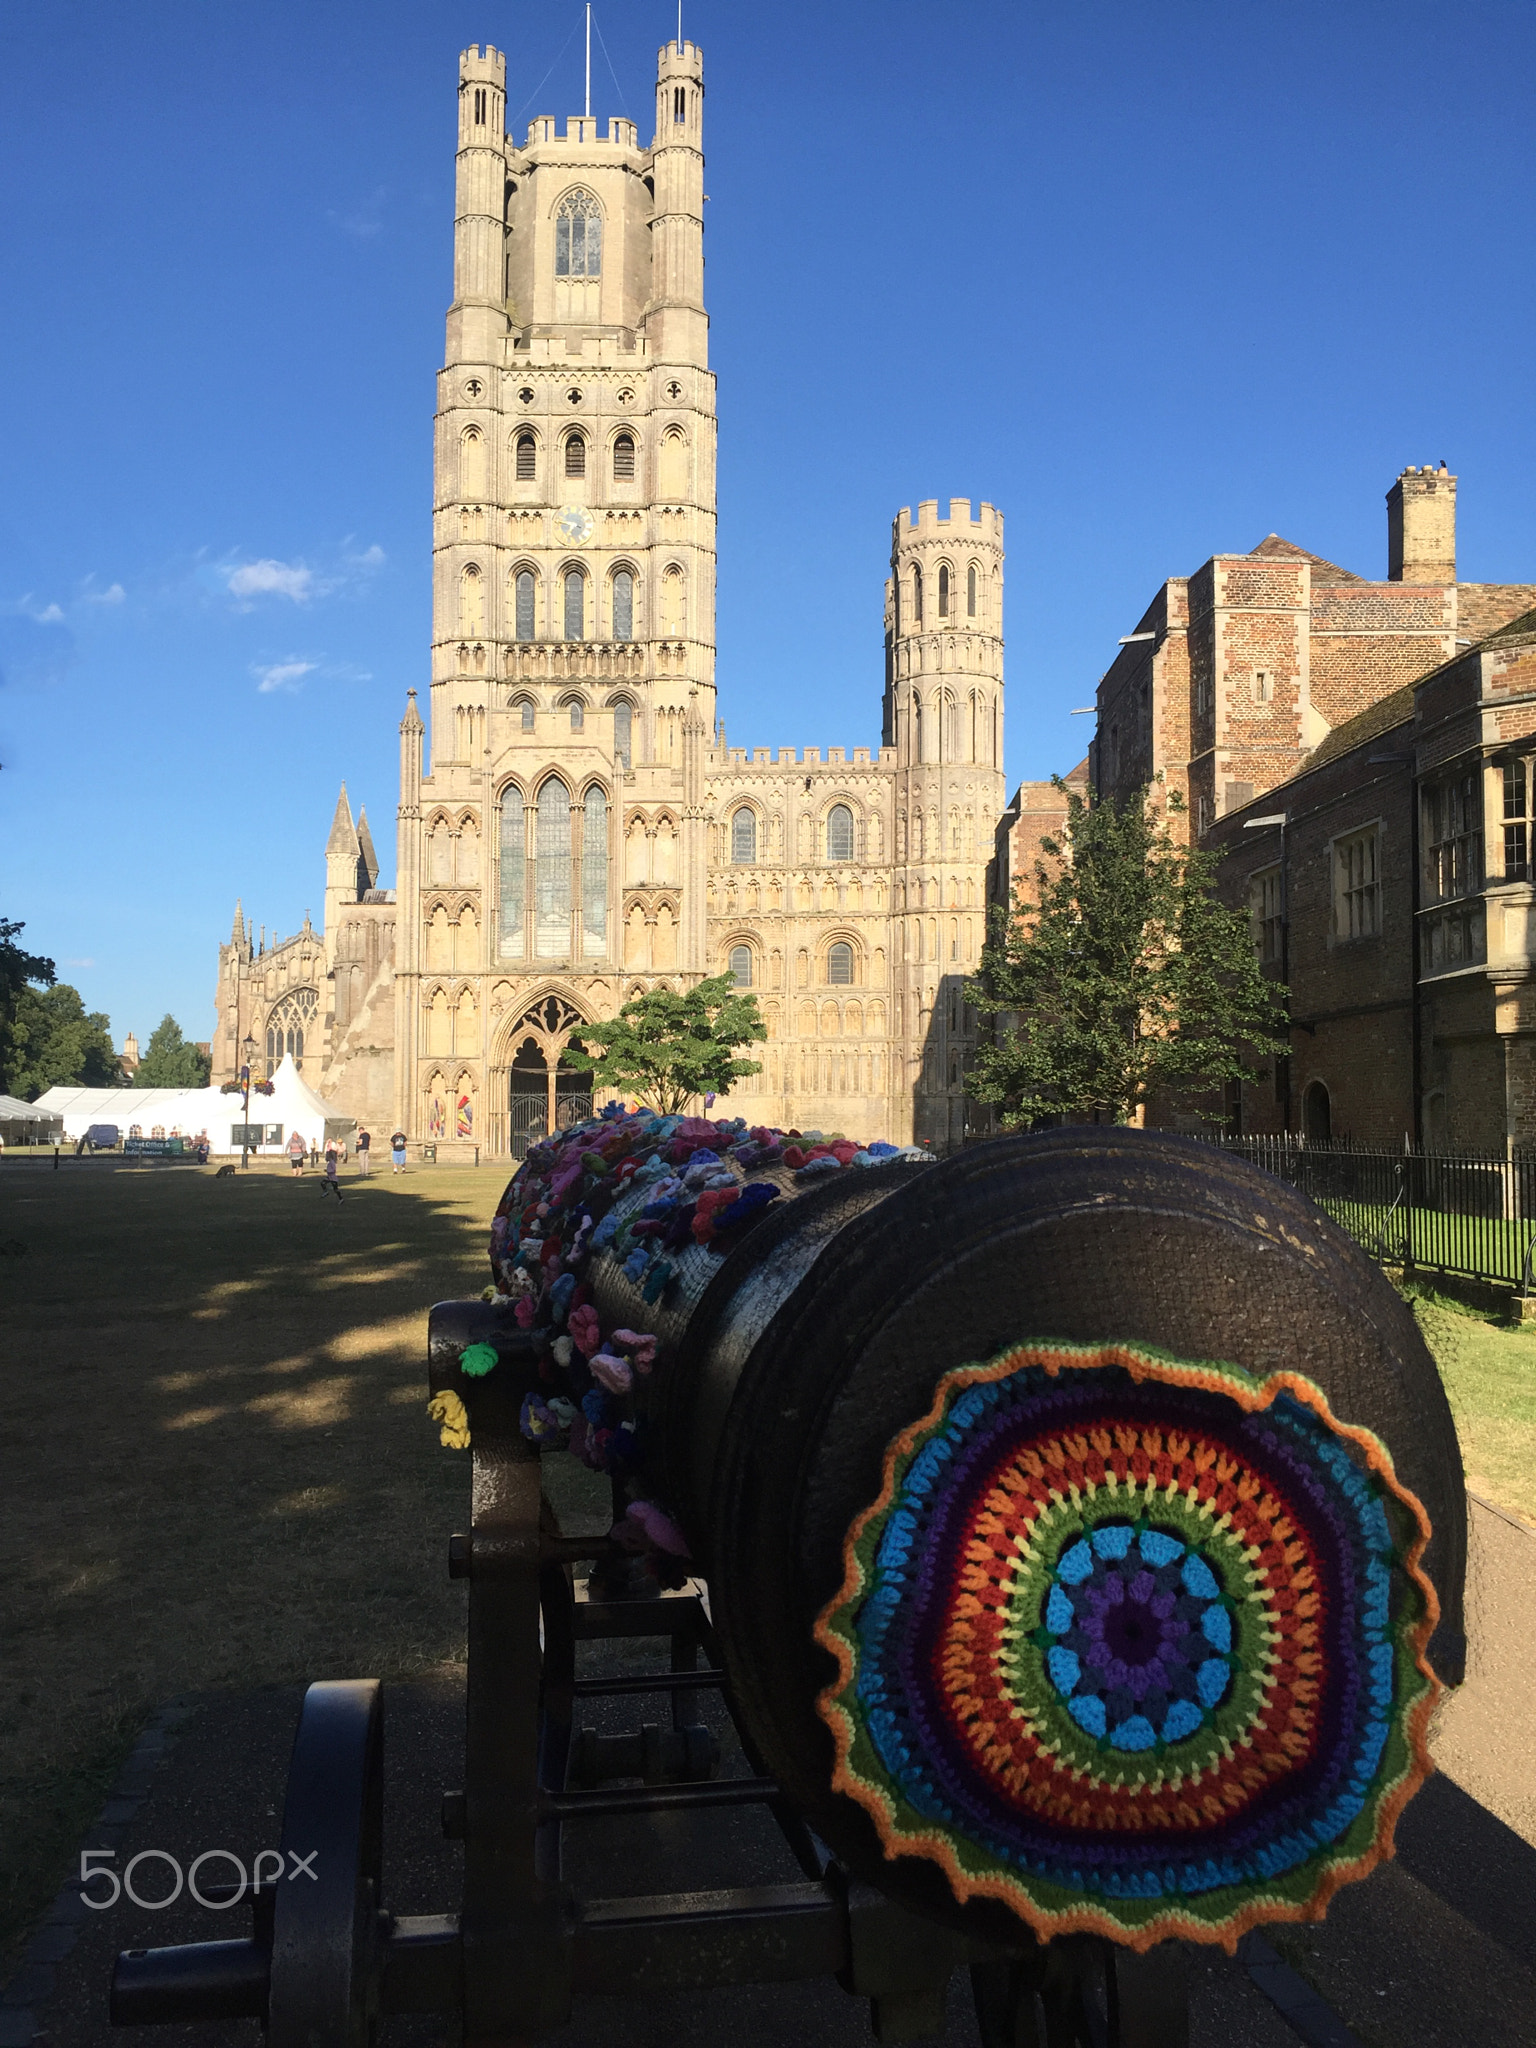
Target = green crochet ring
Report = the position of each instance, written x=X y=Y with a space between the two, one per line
x=477 y=1360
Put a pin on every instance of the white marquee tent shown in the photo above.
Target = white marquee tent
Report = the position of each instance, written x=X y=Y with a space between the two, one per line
x=187 y=1112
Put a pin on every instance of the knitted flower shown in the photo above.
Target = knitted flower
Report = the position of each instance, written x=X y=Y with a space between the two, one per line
x=584 y=1329
x=613 y=1373
x=477 y=1360
x=450 y=1411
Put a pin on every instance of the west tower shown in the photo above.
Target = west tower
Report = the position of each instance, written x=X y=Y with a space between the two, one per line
x=573 y=656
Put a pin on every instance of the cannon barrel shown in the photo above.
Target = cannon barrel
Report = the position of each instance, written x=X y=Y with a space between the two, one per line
x=1116 y=1281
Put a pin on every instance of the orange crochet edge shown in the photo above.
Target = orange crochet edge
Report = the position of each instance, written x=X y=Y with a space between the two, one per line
x=1142 y=1363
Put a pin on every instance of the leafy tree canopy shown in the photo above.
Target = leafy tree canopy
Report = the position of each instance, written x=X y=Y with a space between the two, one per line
x=1117 y=973
x=18 y=970
x=667 y=1048
x=58 y=1043
x=171 y=1061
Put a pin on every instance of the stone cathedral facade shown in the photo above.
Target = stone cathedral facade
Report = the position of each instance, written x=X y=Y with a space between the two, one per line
x=573 y=825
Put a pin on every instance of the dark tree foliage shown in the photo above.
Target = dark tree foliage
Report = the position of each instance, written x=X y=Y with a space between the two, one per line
x=667 y=1048
x=61 y=1044
x=18 y=970
x=1118 y=973
x=171 y=1061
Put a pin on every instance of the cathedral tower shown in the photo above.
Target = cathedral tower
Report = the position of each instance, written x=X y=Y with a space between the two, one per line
x=944 y=719
x=573 y=659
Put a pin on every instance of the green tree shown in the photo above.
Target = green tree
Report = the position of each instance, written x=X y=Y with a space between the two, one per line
x=171 y=1061
x=18 y=970
x=666 y=1048
x=61 y=1044
x=1118 y=973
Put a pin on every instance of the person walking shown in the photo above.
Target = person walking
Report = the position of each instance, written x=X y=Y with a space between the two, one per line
x=397 y=1151
x=296 y=1150
x=363 y=1144
x=331 y=1163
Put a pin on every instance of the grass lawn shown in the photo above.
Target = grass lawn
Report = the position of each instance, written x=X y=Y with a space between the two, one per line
x=218 y=1466
x=1489 y=1369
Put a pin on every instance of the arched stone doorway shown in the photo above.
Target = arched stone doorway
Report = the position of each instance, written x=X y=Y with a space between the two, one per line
x=539 y=1095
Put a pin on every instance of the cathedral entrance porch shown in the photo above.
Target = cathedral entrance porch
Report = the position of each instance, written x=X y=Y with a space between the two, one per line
x=541 y=1096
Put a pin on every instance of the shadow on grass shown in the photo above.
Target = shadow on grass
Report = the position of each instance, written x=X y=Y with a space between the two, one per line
x=219 y=1468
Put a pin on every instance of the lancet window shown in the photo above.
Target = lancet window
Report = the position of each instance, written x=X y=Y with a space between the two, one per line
x=523 y=593
x=744 y=834
x=839 y=833
x=623 y=605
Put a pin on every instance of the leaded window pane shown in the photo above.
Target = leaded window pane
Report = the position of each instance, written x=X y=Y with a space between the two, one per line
x=840 y=833
x=552 y=872
x=525 y=604
x=744 y=835
x=513 y=864
x=579 y=236
x=840 y=963
x=594 y=875
x=575 y=607
x=623 y=725
x=623 y=605
x=741 y=966
x=563 y=244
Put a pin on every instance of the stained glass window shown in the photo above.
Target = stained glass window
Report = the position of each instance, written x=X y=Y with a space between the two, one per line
x=552 y=872
x=623 y=605
x=578 y=236
x=513 y=864
x=594 y=874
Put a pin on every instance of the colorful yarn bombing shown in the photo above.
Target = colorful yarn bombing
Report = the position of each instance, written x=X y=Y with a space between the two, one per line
x=1119 y=1644
x=643 y=1191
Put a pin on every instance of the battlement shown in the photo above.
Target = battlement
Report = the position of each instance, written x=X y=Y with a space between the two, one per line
x=679 y=60
x=931 y=524
x=581 y=130
x=487 y=66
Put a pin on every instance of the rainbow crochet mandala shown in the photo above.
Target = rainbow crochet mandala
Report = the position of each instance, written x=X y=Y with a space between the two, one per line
x=1135 y=1646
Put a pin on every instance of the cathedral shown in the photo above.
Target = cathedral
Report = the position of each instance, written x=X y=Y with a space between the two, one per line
x=573 y=826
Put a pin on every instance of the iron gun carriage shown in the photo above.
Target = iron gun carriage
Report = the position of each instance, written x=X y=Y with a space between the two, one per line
x=1072 y=1530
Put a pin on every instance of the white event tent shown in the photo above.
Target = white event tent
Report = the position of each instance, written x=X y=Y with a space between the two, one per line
x=187 y=1112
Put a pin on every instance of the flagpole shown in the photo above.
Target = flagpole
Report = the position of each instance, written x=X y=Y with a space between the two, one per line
x=589 y=59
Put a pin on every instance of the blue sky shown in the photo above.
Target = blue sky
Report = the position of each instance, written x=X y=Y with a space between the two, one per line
x=1155 y=279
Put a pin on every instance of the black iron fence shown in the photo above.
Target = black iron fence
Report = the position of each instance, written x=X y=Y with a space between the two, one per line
x=1456 y=1213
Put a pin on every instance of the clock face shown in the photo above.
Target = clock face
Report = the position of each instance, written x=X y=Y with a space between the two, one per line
x=574 y=525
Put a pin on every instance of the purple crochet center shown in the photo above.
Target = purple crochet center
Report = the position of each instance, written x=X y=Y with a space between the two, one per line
x=1036 y=1404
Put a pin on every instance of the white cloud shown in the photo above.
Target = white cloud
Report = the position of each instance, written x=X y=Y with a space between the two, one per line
x=371 y=558
x=273 y=579
x=113 y=594
x=281 y=675
x=79 y=963
x=39 y=614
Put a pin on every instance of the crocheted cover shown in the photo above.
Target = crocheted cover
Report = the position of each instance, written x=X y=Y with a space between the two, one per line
x=1119 y=1644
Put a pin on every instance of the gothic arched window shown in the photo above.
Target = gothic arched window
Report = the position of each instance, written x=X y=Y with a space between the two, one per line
x=623 y=726
x=527 y=458
x=917 y=596
x=513 y=863
x=624 y=459
x=578 y=236
x=575 y=604
x=840 y=963
x=575 y=455
x=525 y=713
x=578 y=713
x=623 y=604
x=741 y=965
x=594 y=874
x=943 y=590
x=970 y=592
x=552 y=871
x=839 y=833
x=744 y=834
x=523 y=604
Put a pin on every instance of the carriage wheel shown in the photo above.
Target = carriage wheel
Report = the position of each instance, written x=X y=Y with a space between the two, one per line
x=327 y=1950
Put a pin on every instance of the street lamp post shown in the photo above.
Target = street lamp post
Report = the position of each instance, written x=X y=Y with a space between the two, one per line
x=249 y=1049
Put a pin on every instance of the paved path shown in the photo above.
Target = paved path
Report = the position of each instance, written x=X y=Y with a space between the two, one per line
x=1438 y=1950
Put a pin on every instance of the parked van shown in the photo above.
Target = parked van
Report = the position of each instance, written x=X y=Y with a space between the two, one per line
x=99 y=1138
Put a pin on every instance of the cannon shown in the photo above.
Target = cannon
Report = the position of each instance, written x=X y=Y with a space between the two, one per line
x=1074 y=1530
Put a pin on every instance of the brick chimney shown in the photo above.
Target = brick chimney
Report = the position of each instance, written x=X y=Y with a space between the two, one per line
x=1421 y=527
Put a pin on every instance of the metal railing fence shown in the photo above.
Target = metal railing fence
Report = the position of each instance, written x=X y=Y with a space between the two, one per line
x=1461 y=1213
